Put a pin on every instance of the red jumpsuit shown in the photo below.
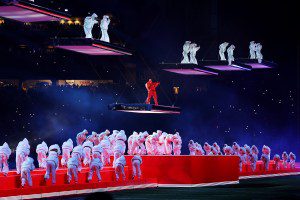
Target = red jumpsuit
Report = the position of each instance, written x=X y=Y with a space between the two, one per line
x=151 y=88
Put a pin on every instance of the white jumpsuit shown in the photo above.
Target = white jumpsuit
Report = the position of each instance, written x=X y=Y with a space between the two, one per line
x=51 y=166
x=42 y=150
x=104 y=27
x=5 y=152
x=26 y=168
x=119 y=165
x=136 y=162
x=67 y=148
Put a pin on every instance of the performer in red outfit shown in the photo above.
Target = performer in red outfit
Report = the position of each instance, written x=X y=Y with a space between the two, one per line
x=151 y=88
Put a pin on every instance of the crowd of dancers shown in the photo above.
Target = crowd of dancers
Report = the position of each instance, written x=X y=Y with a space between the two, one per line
x=247 y=154
x=92 y=151
x=95 y=151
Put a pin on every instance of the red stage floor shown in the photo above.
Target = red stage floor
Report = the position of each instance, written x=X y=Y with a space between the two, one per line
x=158 y=171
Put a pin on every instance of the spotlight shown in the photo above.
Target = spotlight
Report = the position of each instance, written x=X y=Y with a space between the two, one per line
x=70 y=22
x=1 y=21
x=77 y=22
x=176 y=90
x=62 y=21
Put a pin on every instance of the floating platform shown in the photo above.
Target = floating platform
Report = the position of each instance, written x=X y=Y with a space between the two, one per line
x=144 y=108
x=222 y=65
x=26 y=12
x=91 y=47
x=188 y=69
x=256 y=65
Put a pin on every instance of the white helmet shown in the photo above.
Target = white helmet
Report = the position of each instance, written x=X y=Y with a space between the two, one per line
x=55 y=147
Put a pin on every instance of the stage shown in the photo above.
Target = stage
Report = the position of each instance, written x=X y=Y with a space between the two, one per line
x=157 y=171
x=144 y=108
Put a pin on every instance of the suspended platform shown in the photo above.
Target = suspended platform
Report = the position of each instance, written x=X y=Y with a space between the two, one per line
x=91 y=47
x=24 y=11
x=256 y=65
x=188 y=69
x=144 y=108
x=214 y=67
x=222 y=65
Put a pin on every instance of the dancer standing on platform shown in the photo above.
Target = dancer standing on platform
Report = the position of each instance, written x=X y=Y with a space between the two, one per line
x=106 y=151
x=105 y=21
x=177 y=144
x=26 y=168
x=222 y=49
x=94 y=138
x=192 y=147
x=136 y=162
x=5 y=152
x=292 y=160
x=87 y=149
x=42 y=150
x=168 y=144
x=81 y=137
x=276 y=159
x=120 y=145
x=207 y=148
x=230 y=56
x=186 y=50
x=252 y=49
x=265 y=157
x=193 y=50
x=52 y=162
x=285 y=158
x=258 y=53
x=130 y=141
x=88 y=25
x=96 y=163
x=67 y=148
x=119 y=165
x=22 y=152
x=74 y=163
x=199 y=150
x=151 y=88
